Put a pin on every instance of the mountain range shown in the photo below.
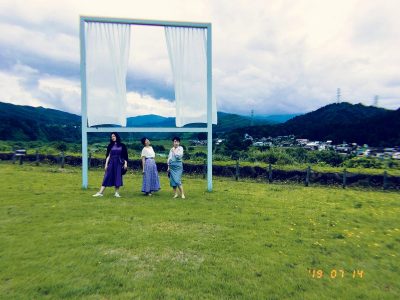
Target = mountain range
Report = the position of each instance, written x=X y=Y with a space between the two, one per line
x=21 y=122
x=226 y=121
x=27 y=123
x=337 y=122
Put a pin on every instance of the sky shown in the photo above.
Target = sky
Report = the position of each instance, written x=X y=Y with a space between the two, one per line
x=273 y=57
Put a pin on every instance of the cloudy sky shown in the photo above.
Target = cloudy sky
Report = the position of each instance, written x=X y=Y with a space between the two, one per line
x=272 y=56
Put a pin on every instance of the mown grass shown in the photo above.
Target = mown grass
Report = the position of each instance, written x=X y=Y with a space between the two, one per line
x=245 y=240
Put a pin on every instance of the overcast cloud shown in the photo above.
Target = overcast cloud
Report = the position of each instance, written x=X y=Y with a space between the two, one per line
x=273 y=56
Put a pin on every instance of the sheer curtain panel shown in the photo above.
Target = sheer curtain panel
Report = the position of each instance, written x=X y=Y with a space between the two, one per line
x=187 y=49
x=107 y=52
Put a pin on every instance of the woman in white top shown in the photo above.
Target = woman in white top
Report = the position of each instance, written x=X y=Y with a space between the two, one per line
x=151 y=181
x=175 y=167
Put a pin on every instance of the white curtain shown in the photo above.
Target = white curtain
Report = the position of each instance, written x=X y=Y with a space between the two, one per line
x=107 y=55
x=187 y=49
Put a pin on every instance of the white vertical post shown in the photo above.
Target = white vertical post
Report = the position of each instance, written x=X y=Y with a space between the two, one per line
x=84 y=160
x=209 y=110
x=83 y=106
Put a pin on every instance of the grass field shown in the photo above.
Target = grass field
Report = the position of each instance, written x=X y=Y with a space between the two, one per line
x=245 y=240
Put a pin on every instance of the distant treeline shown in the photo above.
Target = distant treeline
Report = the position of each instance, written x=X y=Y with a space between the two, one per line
x=337 y=122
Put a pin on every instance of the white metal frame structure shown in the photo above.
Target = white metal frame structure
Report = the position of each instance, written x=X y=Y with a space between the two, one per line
x=86 y=129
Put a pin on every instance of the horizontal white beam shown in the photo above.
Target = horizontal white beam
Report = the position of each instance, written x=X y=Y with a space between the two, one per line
x=144 y=22
x=145 y=129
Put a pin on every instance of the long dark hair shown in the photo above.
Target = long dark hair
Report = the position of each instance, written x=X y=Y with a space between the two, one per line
x=117 y=140
x=143 y=140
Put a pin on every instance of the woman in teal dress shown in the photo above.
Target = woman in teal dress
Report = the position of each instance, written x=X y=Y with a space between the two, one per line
x=175 y=167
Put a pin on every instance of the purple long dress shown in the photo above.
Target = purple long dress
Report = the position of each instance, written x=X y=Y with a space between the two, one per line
x=113 y=174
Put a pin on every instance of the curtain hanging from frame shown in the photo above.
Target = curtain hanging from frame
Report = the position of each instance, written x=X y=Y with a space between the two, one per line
x=187 y=49
x=107 y=49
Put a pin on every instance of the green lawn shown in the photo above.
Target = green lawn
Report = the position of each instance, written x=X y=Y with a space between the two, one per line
x=245 y=240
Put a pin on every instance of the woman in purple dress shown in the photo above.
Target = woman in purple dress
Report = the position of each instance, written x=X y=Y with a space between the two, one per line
x=151 y=182
x=116 y=160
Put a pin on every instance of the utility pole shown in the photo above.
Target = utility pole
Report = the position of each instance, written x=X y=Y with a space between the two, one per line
x=376 y=98
x=338 y=95
x=252 y=118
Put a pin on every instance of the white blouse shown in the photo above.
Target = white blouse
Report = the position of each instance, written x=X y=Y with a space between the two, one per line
x=175 y=155
x=148 y=152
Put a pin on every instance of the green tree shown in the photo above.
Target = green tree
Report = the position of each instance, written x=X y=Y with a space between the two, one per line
x=61 y=146
x=201 y=136
x=235 y=141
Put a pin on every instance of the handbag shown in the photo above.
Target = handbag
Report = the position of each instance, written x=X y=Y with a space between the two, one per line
x=123 y=170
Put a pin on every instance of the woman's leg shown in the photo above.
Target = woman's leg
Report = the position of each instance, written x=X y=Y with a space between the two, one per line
x=117 y=192
x=181 y=190
x=100 y=192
